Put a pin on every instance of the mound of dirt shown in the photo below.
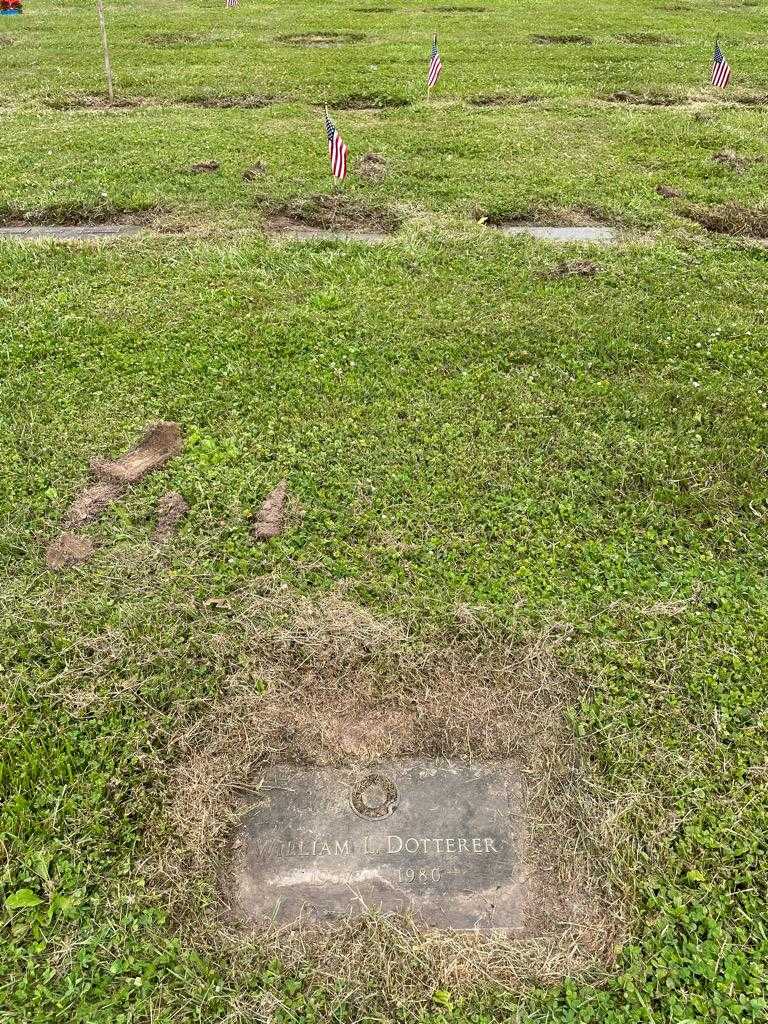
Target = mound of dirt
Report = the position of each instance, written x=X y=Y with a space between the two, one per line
x=330 y=212
x=731 y=219
x=502 y=100
x=65 y=215
x=560 y=216
x=7 y=40
x=562 y=40
x=271 y=517
x=668 y=192
x=171 y=509
x=159 y=444
x=321 y=38
x=371 y=167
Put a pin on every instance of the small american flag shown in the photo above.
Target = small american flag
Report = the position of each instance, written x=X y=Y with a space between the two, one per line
x=337 y=149
x=435 y=66
x=232 y=3
x=721 y=69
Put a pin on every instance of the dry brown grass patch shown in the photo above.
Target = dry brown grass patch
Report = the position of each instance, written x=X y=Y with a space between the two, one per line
x=331 y=212
x=731 y=219
x=565 y=40
x=326 y=683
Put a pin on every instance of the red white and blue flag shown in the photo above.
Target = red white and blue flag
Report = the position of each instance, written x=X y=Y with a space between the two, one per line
x=435 y=65
x=721 y=69
x=337 y=149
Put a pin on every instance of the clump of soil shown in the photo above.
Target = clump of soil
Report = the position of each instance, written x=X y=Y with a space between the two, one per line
x=159 y=444
x=572 y=268
x=171 y=38
x=359 y=101
x=371 y=167
x=255 y=171
x=502 y=100
x=731 y=159
x=330 y=212
x=644 y=38
x=731 y=219
x=7 y=40
x=95 y=102
x=648 y=99
x=171 y=509
x=112 y=478
x=269 y=521
x=249 y=102
x=68 y=549
x=562 y=40
x=205 y=167
x=321 y=38
x=669 y=191
x=324 y=682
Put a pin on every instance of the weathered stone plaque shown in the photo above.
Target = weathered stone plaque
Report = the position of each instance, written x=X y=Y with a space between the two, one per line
x=443 y=841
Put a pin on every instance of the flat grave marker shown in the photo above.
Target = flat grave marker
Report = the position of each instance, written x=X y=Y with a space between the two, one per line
x=441 y=840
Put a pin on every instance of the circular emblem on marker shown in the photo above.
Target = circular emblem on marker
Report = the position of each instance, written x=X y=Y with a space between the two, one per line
x=374 y=796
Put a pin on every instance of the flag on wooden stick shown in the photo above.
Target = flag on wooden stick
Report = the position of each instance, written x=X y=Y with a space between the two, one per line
x=721 y=69
x=435 y=66
x=337 y=149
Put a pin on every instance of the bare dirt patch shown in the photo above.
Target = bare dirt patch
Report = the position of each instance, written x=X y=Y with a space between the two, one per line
x=325 y=683
x=371 y=167
x=321 y=38
x=205 y=167
x=749 y=100
x=270 y=520
x=571 y=268
x=562 y=40
x=668 y=192
x=647 y=99
x=502 y=100
x=75 y=215
x=255 y=171
x=559 y=216
x=367 y=101
x=171 y=509
x=68 y=549
x=247 y=102
x=330 y=213
x=734 y=161
x=373 y=10
x=447 y=9
x=83 y=101
x=644 y=39
x=7 y=40
x=731 y=219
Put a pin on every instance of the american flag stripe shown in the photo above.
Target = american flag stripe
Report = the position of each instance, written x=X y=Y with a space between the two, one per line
x=435 y=66
x=337 y=149
x=721 y=69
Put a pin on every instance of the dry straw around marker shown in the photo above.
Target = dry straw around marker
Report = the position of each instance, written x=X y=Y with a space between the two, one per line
x=324 y=682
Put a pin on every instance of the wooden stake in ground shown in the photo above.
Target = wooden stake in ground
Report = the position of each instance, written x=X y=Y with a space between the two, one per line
x=105 y=48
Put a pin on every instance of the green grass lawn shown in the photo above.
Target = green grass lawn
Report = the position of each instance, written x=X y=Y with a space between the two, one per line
x=580 y=456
